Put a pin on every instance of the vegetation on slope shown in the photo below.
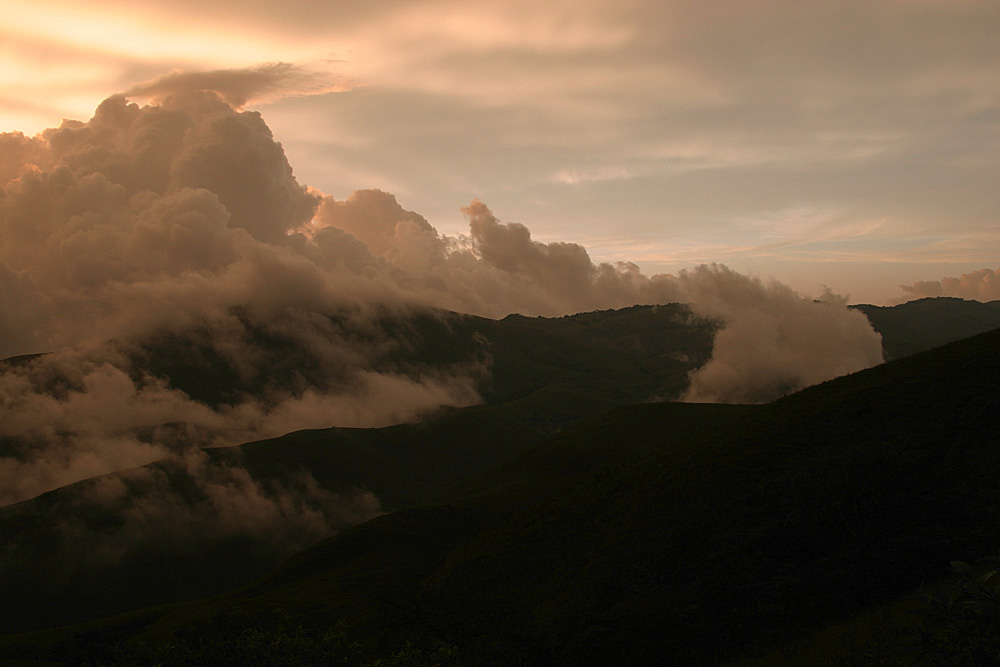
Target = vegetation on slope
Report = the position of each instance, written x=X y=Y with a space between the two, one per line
x=686 y=534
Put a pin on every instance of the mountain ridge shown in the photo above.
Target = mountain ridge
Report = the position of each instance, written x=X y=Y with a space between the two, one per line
x=537 y=471
x=800 y=513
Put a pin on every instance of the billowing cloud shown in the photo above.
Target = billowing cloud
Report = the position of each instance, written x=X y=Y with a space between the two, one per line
x=774 y=342
x=173 y=241
x=162 y=230
x=981 y=285
x=658 y=106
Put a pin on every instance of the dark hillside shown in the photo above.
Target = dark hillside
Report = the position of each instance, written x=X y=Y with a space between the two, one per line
x=160 y=538
x=176 y=529
x=805 y=510
x=678 y=534
x=923 y=324
x=633 y=353
x=639 y=351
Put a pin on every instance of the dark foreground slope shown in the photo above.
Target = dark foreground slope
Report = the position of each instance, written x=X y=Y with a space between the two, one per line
x=655 y=534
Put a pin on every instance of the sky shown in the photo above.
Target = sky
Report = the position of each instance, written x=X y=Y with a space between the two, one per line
x=854 y=145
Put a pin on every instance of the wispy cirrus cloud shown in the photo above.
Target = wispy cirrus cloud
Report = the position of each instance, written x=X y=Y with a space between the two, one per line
x=261 y=83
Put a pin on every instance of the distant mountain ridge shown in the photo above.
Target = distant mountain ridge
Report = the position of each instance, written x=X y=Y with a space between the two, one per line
x=922 y=324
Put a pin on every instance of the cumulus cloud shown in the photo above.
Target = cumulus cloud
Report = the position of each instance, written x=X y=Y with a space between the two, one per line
x=981 y=285
x=194 y=294
x=774 y=342
x=166 y=225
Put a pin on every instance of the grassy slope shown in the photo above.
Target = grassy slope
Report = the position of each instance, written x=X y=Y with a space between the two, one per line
x=677 y=532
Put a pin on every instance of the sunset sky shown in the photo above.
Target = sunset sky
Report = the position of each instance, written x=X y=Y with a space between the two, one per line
x=848 y=144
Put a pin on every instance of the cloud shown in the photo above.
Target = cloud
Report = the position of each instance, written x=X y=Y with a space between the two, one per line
x=194 y=294
x=190 y=500
x=164 y=228
x=17 y=152
x=981 y=285
x=82 y=412
x=175 y=516
x=263 y=83
x=774 y=342
x=578 y=176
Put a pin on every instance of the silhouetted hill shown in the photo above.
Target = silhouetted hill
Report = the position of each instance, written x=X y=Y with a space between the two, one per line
x=631 y=352
x=923 y=324
x=666 y=533
x=545 y=373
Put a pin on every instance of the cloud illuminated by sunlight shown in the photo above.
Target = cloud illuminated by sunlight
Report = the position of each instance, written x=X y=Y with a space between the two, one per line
x=65 y=56
x=136 y=34
x=238 y=86
x=577 y=176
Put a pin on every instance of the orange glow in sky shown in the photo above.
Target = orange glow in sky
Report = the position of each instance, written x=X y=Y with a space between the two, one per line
x=800 y=140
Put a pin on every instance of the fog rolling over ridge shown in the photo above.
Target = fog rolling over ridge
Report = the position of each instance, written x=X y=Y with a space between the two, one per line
x=180 y=223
